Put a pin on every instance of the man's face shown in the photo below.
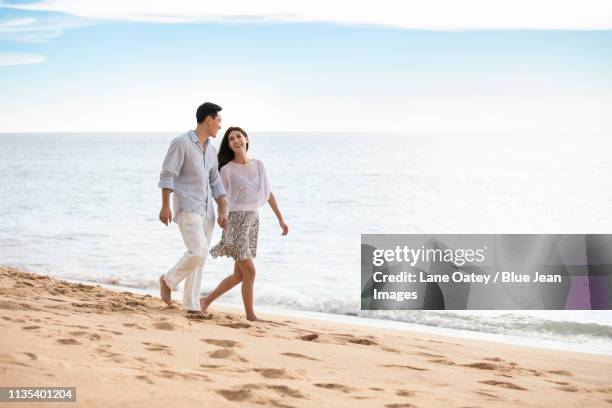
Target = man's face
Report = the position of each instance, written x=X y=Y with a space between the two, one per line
x=214 y=124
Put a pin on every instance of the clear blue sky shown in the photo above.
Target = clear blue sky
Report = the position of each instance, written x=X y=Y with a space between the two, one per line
x=62 y=71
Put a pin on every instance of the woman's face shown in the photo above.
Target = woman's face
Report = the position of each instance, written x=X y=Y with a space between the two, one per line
x=237 y=142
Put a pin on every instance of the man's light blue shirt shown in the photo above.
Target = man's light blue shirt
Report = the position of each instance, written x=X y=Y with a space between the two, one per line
x=192 y=174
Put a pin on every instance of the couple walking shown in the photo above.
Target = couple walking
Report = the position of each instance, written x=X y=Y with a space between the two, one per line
x=193 y=174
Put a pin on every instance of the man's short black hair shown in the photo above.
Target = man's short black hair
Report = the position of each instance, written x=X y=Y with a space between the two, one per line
x=207 y=109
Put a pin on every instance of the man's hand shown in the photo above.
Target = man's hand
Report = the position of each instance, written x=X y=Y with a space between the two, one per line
x=222 y=219
x=222 y=211
x=165 y=215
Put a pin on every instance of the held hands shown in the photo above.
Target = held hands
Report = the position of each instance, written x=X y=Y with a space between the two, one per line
x=284 y=227
x=165 y=215
x=222 y=211
x=222 y=218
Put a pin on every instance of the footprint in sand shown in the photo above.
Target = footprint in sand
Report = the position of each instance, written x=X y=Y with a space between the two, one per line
x=31 y=355
x=443 y=361
x=489 y=395
x=134 y=326
x=227 y=354
x=68 y=341
x=237 y=325
x=286 y=391
x=211 y=366
x=118 y=333
x=145 y=379
x=78 y=326
x=157 y=347
x=274 y=373
x=164 y=326
x=561 y=372
x=365 y=342
x=246 y=392
x=198 y=316
x=537 y=373
x=558 y=382
x=10 y=359
x=93 y=336
x=444 y=342
x=88 y=305
x=298 y=355
x=135 y=303
x=221 y=343
x=104 y=351
x=217 y=367
x=429 y=354
x=8 y=305
x=482 y=366
x=335 y=387
x=147 y=362
x=185 y=375
x=503 y=384
x=309 y=337
x=568 y=388
x=236 y=395
x=409 y=367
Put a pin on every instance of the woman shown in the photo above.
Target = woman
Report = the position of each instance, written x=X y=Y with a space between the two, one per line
x=247 y=188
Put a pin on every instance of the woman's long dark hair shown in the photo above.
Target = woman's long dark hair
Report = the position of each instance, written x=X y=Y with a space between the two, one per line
x=226 y=154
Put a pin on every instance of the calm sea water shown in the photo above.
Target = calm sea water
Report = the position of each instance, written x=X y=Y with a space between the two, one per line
x=85 y=206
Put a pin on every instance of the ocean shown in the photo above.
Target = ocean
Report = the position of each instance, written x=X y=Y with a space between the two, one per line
x=85 y=207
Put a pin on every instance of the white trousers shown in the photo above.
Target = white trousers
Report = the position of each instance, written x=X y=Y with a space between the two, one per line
x=196 y=232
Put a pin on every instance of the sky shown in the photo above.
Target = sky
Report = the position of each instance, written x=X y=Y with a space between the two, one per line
x=385 y=66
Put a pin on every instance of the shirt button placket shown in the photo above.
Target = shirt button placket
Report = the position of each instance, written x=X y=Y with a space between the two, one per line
x=206 y=182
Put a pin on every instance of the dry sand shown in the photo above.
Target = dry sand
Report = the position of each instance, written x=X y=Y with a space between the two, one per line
x=123 y=349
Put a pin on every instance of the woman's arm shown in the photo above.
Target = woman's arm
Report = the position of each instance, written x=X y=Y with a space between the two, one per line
x=274 y=206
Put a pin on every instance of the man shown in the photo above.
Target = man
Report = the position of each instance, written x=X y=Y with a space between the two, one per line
x=191 y=172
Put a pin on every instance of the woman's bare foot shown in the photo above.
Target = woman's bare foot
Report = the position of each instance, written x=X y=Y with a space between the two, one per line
x=204 y=303
x=164 y=291
x=252 y=318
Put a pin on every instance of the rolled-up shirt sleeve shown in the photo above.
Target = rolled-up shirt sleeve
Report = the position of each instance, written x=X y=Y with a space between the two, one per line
x=216 y=184
x=172 y=165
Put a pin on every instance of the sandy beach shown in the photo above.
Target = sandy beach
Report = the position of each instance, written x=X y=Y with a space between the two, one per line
x=124 y=349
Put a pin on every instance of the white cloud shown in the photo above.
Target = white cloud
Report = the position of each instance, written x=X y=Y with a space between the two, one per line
x=20 y=59
x=418 y=14
x=16 y=22
x=30 y=29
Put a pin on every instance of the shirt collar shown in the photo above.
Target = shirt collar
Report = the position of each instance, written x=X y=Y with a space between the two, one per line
x=194 y=138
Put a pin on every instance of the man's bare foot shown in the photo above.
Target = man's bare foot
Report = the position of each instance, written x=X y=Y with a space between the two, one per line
x=204 y=303
x=164 y=291
x=252 y=318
